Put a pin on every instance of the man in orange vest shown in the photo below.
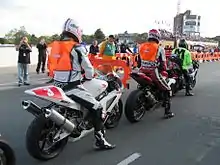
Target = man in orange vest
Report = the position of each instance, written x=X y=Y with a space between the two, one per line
x=72 y=59
x=153 y=62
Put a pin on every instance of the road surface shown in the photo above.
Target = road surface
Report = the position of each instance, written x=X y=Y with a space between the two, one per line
x=191 y=138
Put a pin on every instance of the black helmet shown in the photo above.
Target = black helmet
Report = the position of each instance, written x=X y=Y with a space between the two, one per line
x=183 y=44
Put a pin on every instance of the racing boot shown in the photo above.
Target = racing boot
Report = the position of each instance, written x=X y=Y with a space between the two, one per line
x=168 y=114
x=99 y=133
x=101 y=143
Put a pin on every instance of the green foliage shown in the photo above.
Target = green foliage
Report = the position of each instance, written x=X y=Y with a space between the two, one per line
x=99 y=35
x=14 y=36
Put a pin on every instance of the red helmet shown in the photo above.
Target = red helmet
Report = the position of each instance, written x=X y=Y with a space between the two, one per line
x=154 y=34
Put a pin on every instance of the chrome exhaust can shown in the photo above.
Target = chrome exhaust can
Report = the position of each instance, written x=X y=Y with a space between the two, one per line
x=31 y=107
x=60 y=120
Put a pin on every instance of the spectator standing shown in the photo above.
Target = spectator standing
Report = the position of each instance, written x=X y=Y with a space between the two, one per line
x=24 y=50
x=42 y=55
x=135 y=48
x=124 y=47
x=94 y=48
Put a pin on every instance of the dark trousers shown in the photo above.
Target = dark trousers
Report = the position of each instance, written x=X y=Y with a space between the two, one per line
x=187 y=80
x=41 y=62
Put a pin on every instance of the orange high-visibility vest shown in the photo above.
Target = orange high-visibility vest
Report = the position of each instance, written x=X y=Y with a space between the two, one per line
x=60 y=55
x=148 y=51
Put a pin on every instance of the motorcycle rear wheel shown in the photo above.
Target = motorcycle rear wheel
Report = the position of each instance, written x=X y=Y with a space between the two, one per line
x=40 y=130
x=134 y=106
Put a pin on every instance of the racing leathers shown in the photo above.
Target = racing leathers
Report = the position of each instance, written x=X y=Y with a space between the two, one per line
x=153 y=61
x=70 y=82
x=186 y=64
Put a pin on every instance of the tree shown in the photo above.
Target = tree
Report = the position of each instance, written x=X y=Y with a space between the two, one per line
x=10 y=36
x=99 y=35
x=14 y=36
x=55 y=37
x=3 y=41
x=33 y=39
x=88 y=38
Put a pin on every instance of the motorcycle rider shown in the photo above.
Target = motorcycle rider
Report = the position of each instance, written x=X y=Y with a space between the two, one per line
x=153 y=63
x=72 y=60
x=186 y=62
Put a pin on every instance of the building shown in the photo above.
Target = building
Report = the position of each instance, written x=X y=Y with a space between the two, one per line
x=186 y=24
x=126 y=37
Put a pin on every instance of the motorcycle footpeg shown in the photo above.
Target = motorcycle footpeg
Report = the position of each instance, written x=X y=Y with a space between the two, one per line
x=76 y=132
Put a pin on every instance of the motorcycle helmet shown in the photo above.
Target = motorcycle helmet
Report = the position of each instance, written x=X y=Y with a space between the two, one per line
x=72 y=27
x=154 y=35
x=183 y=44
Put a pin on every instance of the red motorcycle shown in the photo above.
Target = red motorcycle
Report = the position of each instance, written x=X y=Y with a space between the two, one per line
x=140 y=100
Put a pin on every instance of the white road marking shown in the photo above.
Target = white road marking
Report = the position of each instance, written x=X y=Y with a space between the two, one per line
x=205 y=152
x=130 y=159
x=83 y=134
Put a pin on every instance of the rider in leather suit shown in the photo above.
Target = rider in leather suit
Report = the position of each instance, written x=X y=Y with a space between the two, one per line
x=70 y=81
x=153 y=62
x=186 y=62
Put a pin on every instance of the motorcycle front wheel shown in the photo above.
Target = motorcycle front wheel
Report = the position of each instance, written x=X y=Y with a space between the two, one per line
x=134 y=106
x=39 y=139
x=7 y=156
x=115 y=116
x=193 y=84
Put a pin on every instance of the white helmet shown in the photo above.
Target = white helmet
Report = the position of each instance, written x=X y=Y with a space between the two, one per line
x=72 y=27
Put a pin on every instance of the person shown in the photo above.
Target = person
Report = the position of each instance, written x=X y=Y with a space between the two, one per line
x=124 y=47
x=107 y=52
x=42 y=55
x=68 y=76
x=24 y=50
x=108 y=48
x=135 y=48
x=94 y=48
x=152 y=61
x=117 y=47
x=186 y=60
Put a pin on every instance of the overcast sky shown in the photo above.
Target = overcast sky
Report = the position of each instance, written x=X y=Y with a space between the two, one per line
x=43 y=17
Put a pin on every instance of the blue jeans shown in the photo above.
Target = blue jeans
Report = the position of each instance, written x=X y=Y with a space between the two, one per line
x=23 y=73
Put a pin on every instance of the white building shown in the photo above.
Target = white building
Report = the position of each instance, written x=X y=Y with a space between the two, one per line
x=191 y=24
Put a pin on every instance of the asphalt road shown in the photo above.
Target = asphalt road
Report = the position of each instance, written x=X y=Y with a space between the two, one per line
x=191 y=138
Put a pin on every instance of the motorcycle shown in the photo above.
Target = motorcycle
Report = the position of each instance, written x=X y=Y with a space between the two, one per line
x=140 y=100
x=7 y=156
x=65 y=118
x=175 y=71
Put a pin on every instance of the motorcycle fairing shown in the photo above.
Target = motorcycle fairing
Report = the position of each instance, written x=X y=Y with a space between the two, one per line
x=50 y=93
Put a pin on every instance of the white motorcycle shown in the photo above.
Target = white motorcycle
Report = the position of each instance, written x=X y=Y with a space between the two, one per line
x=48 y=133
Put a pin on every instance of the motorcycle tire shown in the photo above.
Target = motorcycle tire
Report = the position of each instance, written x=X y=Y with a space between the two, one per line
x=132 y=102
x=114 y=119
x=34 y=135
x=7 y=155
x=193 y=84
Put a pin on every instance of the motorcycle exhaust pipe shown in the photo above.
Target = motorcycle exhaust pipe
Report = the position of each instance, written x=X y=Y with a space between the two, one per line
x=31 y=107
x=60 y=120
